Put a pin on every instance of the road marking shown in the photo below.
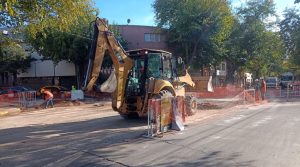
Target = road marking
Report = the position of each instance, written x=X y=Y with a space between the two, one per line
x=262 y=121
x=216 y=137
x=234 y=119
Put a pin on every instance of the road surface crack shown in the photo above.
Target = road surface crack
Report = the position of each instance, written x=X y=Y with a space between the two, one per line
x=104 y=158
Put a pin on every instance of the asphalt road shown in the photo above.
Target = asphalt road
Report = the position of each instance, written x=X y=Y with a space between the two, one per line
x=259 y=136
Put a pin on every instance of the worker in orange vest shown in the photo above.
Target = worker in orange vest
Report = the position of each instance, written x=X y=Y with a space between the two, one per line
x=48 y=97
x=263 y=88
x=257 y=88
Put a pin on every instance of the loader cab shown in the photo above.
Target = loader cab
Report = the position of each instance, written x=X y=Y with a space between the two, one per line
x=148 y=63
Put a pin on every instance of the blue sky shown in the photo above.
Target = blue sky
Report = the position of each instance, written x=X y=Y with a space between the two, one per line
x=140 y=12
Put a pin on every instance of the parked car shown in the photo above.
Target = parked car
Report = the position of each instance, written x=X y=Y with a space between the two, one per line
x=2 y=91
x=16 y=89
x=272 y=82
x=287 y=79
x=58 y=92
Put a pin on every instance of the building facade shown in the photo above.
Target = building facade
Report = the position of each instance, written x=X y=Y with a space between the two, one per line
x=143 y=37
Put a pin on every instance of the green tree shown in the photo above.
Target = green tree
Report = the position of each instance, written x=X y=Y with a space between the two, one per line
x=290 y=33
x=197 y=28
x=257 y=43
x=39 y=15
x=58 y=46
x=13 y=58
x=237 y=54
x=115 y=29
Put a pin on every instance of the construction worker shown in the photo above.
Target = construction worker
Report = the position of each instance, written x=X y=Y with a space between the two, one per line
x=263 y=88
x=257 y=90
x=48 y=97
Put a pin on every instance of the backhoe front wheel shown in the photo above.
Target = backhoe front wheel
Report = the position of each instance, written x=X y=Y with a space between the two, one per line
x=163 y=94
x=190 y=105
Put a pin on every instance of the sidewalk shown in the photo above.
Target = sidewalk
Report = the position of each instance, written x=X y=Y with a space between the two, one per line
x=9 y=109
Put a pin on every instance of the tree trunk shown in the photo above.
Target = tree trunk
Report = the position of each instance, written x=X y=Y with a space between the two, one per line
x=194 y=51
x=77 y=75
x=14 y=82
x=214 y=75
x=230 y=72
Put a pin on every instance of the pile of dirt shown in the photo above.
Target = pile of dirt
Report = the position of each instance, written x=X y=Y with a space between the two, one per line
x=66 y=103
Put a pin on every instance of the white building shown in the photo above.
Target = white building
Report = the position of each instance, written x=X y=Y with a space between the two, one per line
x=41 y=71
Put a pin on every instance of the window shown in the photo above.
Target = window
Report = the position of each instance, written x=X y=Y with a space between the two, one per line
x=151 y=37
x=167 y=70
x=154 y=65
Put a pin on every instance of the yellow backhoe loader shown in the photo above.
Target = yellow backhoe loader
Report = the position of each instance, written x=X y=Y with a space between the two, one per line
x=140 y=74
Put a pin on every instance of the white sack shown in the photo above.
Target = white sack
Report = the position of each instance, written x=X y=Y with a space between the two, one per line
x=110 y=84
x=210 y=87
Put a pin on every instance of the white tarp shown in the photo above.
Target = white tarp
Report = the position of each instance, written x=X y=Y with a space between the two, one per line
x=110 y=84
x=210 y=87
x=177 y=122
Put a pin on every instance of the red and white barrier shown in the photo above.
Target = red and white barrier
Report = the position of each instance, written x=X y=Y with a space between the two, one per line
x=165 y=114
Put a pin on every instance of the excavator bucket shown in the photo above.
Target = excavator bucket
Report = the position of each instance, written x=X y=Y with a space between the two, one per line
x=110 y=84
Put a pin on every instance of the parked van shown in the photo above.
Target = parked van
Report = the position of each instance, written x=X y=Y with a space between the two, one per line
x=272 y=82
x=286 y=79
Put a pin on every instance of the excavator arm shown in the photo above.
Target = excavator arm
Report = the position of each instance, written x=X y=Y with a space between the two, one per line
x=106 y=41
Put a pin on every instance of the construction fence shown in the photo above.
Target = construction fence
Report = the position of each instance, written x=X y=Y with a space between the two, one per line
x=19 y=99
x=170 y=113
x=165 y=114
x=287 y=93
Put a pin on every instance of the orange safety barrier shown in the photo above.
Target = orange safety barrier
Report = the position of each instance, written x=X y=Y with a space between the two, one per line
x=219 y=92
x=164 y=114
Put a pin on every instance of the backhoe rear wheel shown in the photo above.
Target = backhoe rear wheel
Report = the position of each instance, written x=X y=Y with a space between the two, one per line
x=190 y=105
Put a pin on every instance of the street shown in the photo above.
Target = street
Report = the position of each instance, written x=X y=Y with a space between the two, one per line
x=264 y=135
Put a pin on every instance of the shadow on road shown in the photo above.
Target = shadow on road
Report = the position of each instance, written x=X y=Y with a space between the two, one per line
x=212 y=159
x=44 y=144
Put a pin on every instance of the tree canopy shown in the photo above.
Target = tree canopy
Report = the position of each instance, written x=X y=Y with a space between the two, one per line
x=290 y=33
x=257 y=42
x=12 y=57
x=207 y=32
x=39 y=15
x=197 y=28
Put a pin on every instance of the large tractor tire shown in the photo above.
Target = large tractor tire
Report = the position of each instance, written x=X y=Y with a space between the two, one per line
x=163 y=94
x=190 y=105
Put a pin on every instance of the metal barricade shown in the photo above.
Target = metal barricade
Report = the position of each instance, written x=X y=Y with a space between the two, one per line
x=294 y=91
x=27 y=99
x=290 y=92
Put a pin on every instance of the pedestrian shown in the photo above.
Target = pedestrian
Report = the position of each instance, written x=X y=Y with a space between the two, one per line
x=257 y=90
x=263 y=88
x=48 y=97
